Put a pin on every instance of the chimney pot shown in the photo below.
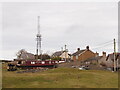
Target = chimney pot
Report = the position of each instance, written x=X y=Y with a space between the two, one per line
x=104 y=53
x=87 y=47
x=78 y=49
x=97 y=54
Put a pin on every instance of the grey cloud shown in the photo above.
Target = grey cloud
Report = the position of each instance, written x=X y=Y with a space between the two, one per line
x=74 y=24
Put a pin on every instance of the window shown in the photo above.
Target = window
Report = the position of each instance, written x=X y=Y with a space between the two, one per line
x=43 y=62
x=32 y=62
x=19 y=62
x=71 y=57
x=56 y=61
x=76 y=57
x=49 y=62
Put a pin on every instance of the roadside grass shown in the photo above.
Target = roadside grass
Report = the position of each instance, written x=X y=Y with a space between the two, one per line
x=60 y=78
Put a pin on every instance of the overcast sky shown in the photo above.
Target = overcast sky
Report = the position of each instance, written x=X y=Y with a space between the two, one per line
x=76 y=24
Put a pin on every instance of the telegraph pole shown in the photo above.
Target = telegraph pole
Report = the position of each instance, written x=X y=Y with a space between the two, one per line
x=65 y=52
x=114 y=55
x=62 y=51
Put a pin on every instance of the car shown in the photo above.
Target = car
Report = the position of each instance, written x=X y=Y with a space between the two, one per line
x=84 y=68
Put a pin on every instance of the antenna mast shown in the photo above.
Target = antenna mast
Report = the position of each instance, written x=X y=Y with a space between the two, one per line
x=38 y=50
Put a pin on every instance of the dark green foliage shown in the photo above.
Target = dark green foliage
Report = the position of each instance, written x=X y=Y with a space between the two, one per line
x=56 y=58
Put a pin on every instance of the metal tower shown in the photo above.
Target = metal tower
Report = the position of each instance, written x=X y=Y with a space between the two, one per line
x=38 y=50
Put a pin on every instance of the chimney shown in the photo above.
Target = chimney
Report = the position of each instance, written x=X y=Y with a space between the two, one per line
x=78 y=49
x=104 y=53
x=97 y=54
x=87 y=47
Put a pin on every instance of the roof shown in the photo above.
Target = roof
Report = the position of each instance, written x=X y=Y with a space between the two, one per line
x=78 y=52
x=57 y=53
x=94 y=58
x=111 y=56
x=118 y=56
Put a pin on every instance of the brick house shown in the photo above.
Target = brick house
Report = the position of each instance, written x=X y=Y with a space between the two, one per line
x=83 y=54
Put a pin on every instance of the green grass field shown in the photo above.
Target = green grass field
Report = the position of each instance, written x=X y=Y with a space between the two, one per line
x=60 y=78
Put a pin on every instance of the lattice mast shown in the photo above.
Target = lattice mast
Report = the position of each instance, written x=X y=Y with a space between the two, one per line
x=38 y=50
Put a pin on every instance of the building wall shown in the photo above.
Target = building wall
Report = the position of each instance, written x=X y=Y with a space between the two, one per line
x=65 y=55
x=109 y=63
x=102 y=60
x=85 y=55
x=74 y=58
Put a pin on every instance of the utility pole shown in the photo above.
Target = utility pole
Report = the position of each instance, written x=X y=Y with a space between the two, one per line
x=62 y=52
x=114 y=55
x=65 y=52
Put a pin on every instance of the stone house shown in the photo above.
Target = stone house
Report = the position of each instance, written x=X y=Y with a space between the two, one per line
x=110 y=60
x=102 y=60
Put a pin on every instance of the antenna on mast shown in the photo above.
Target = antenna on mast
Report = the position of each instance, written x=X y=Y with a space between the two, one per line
x=38 y=50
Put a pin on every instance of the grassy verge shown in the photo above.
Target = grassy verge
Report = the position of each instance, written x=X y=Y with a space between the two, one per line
x=60 y=78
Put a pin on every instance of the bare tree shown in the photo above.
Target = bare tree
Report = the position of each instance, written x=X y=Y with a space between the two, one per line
x=20 y=52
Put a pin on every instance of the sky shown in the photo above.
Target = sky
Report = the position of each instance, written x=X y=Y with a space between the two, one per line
x=75 y=24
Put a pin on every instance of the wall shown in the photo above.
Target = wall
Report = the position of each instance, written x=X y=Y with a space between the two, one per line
x=65 y=55
x=85 y=55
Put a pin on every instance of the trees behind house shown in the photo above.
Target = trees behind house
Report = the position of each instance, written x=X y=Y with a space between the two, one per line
x=20 y=52
x=23 y=54
x=43 y=57
x=56 y=58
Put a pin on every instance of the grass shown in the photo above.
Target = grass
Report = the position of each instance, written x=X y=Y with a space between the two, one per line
x=60 y=78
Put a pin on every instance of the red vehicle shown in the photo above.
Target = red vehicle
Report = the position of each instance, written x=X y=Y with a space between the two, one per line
x=32 y=64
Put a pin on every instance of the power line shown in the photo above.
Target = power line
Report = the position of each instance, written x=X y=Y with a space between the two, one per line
x=103 y=46
x=104 y=43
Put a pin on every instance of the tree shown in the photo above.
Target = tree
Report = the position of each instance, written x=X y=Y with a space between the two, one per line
x=56 y=58
x=20 y=52
x=45 y=56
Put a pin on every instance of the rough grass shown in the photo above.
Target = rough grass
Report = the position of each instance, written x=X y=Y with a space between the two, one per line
x=60 y=78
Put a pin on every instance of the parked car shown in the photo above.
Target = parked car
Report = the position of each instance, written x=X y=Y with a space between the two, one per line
x=84 y=68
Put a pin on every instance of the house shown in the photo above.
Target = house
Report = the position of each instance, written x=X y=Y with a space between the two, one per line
x=110 y=60
x=83 y=54
x=118 y=60
x=61 y=54
x=93 y=60
x=97 y=60
x=102 y=60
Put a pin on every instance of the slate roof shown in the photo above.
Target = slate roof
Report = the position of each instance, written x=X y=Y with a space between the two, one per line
x=94 y=58
x=118 y=56
x=78 y=52
x=111 y=56
x=57 y=53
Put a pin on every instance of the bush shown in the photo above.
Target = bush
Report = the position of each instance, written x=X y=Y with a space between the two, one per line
x=56 y=58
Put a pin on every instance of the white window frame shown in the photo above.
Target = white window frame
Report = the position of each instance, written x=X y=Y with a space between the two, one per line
x=42 y=62
x=32 y=62
x=76 y=57
x=49 y=62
